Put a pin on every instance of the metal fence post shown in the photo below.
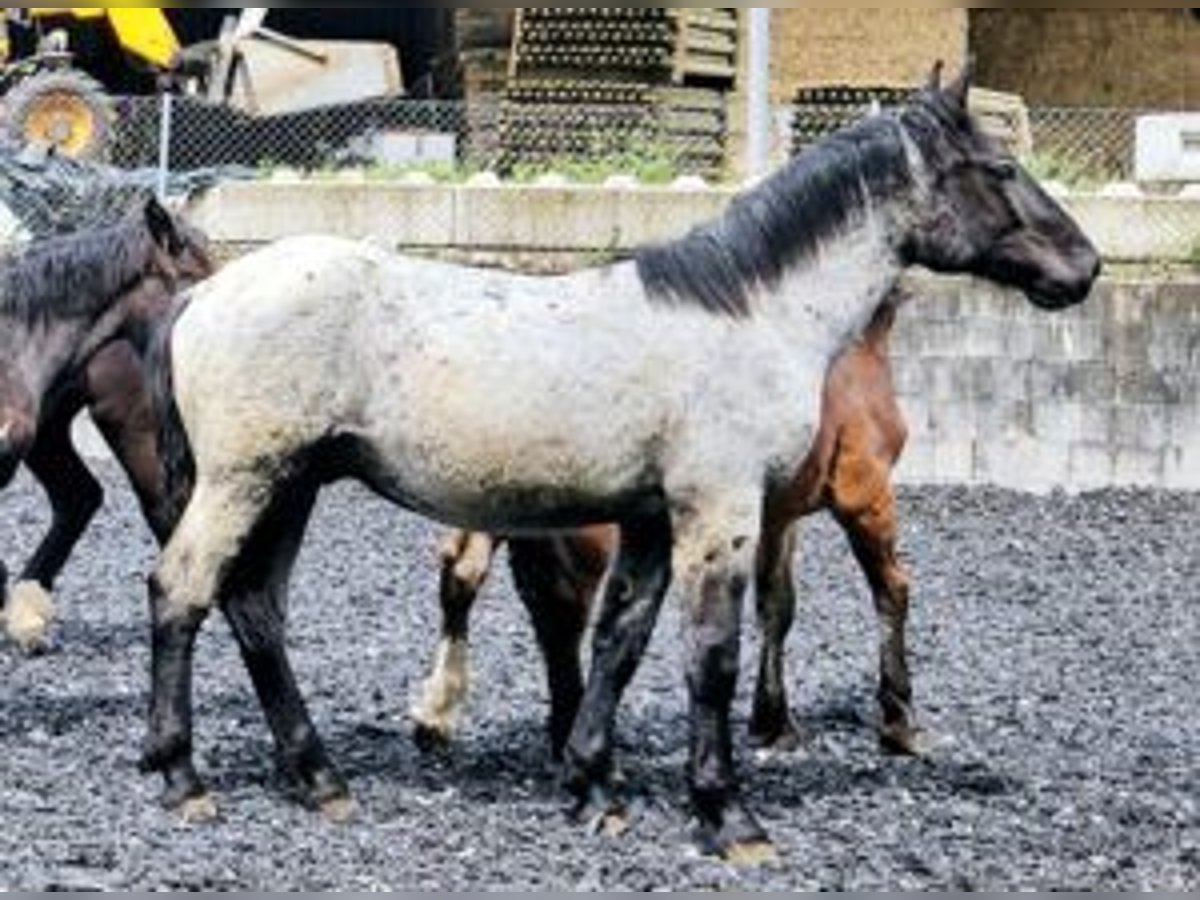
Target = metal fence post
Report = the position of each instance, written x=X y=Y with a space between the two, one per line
x=758 y=94
x=165 y=133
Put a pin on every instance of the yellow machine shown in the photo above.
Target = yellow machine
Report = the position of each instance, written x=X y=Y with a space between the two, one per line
x=47 y=99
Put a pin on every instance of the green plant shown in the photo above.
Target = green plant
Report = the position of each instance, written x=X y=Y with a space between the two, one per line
x=1073 y=172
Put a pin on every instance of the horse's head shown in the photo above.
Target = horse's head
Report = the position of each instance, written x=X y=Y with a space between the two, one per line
x=981 y=213
x=180 y=256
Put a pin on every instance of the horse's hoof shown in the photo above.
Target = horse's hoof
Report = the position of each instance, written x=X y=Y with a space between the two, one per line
x=754 y=855
x=910 y=743
x=28 y=616
x=431 y=738
x=200 y=810
x=602 y=812
x=784 y=743
x=734 y=835
x=339 y=811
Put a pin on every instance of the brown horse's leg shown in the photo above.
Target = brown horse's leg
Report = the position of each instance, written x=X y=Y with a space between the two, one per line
x=557 y=579
x=467 y=559
x=256 y=608
x=773 y=727
x=629 y=609
x=872 y=534
x=75 y=496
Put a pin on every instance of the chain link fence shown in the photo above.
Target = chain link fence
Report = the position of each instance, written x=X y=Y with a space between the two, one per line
x=448 y=137
x=1080 y=147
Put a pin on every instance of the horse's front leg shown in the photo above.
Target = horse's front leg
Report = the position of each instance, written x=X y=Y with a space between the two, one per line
x=772 y=726
x=194 y=571
x=629 y=609
x=75 y=497
x=714 y=556
x=467 y=559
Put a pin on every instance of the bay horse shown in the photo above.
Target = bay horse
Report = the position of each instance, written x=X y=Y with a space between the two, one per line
x=76 y=312
x=668 y=394
x=848 y=473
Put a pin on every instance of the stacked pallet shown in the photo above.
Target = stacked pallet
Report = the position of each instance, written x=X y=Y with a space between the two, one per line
x=483 y=38
x=588 y=82
x=823 y=110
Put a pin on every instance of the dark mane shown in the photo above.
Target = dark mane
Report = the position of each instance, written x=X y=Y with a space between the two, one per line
x=75 y=276
x=780 y=223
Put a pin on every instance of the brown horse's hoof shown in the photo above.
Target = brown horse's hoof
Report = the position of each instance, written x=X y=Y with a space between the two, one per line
x=28 y=617
x=430 y=739
x=339 y=811
x=755 y=855
x=906 y=742
x=200 y=810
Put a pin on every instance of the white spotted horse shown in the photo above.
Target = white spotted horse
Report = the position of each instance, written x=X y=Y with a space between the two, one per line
x=668 y=394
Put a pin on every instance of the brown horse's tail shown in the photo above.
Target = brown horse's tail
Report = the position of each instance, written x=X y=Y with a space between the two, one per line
x=176 y=463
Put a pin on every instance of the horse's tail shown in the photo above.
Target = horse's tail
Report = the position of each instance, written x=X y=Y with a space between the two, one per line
x=177 y=466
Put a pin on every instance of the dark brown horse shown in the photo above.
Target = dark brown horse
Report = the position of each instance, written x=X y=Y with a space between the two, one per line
x=75 y=314
x=848 y=473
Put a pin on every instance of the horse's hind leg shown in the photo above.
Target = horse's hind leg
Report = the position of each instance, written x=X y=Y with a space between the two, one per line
x=466 y=562
x=872 y=533
x=629 y=609
x=255 y=604
x=557 y=579
x=772 y=726
x=75 y=497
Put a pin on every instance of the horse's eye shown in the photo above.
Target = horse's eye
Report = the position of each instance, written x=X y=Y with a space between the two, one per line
x=1005 y=170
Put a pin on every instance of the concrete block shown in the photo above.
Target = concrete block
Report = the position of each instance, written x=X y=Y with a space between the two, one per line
x=953 y=462
x=1134 y=467
x=655 y=214
x=537 y=218
x=1168 y=147
x=1069 y=338
x=1139 y=426
x=1022 y=463
x=1181 y=468
x=1092 y=465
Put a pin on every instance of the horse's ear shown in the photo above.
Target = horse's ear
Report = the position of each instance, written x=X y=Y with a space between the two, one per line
x=934 y=84
x=960 y=91
x=162 y=227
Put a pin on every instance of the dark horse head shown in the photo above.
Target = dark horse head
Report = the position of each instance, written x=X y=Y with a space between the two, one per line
x=64 y=298
x=981 y=213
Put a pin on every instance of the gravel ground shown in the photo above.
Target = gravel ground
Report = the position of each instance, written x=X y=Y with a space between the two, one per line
x=1056 y=646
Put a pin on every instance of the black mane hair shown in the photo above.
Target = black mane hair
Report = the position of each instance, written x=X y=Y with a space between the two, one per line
x=780 y=223
x=75 y=276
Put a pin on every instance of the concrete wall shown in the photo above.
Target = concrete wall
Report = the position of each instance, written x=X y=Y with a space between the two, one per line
x=1143 y=58
x=486 y=215
x=996 y=392
x=999 y=393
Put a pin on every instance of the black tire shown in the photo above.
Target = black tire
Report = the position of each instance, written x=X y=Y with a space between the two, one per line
x=66 y=109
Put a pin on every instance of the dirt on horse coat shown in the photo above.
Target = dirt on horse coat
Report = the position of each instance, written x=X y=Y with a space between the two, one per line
x=74 y=315
x=669 y=395
x=848 y=472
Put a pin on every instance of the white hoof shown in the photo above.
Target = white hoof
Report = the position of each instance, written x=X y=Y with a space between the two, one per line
x=28 y=616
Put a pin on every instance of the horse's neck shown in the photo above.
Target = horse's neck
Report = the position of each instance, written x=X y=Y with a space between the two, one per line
x=47 y=353
x=831 y=299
